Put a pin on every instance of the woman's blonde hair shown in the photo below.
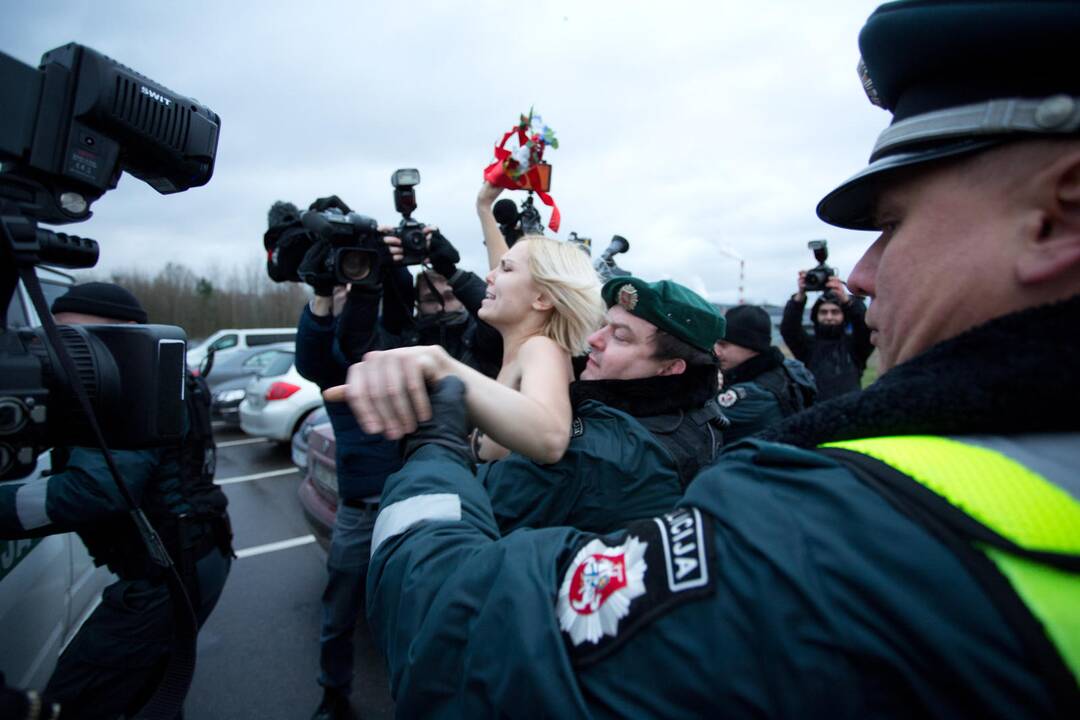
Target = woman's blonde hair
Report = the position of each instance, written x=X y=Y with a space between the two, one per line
x=566 y=275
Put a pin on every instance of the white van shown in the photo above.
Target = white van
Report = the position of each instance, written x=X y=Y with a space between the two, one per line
x=225 y=341
x=48 y=585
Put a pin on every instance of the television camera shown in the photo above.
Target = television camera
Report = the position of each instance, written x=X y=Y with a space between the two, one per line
x=330 y=241
x=605 y=264
x=70 y=127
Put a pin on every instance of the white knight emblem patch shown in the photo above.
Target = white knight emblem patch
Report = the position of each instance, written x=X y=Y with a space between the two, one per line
x=598 y=588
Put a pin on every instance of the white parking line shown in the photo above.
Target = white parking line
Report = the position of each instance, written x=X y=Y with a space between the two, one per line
x=275 y=546
x=256 y=476
x=245 y=441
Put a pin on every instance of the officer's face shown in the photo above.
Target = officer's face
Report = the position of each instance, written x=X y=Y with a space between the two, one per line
x=942 y=263
x=731 y=355
x=623 y=349
x=77 y=318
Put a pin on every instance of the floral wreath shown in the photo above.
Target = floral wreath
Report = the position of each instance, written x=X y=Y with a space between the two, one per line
x=519 y=169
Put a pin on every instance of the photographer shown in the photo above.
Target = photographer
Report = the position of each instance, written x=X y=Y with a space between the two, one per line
x=836 y=356
x=447 y=300
x=116 y=660
x=336 y=328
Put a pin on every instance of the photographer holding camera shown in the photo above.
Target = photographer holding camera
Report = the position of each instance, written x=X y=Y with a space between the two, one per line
x=353 y=276
x=116 y=660
x=834 y=354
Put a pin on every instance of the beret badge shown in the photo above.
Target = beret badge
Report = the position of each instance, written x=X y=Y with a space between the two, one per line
x=868 y=84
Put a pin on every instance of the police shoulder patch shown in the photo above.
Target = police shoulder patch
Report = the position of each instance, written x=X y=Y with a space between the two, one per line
x=731 y=396
x=609 y=592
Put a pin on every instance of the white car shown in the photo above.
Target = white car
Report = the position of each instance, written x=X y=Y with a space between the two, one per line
x=227 y=341
x=277 y=400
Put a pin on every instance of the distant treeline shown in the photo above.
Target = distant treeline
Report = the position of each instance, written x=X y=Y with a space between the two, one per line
x=245 y=297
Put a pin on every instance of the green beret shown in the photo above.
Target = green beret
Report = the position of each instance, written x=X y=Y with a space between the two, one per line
x=960 y=76
x=669 y=306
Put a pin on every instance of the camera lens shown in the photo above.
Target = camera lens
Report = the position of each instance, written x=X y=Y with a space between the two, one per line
x=414 y=242
x=355 y=264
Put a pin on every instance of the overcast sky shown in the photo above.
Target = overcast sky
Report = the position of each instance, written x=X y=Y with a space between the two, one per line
x=686 y=127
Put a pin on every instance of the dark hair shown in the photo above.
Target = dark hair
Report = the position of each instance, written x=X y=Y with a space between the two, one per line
x=669 y=347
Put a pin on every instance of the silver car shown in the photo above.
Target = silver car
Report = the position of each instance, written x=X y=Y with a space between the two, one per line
x=277 y=401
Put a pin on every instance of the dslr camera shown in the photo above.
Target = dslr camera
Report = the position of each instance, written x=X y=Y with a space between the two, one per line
x=818 y=276
x=71 y=126
x=411 y=232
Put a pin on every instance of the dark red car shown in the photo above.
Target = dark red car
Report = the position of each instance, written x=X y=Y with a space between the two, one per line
x=319 y=491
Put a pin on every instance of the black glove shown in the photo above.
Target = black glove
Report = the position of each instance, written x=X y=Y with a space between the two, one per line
x=443 y=256
x=333 y=201
x=449 y=423
x=317 y=270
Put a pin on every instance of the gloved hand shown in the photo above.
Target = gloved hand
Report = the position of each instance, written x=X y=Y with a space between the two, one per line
x=332 y=201
x=449 y=423
x=443 y=256
x=316 y=268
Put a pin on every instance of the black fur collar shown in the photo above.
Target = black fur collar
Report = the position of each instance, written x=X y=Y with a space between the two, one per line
x=1018 y=373
x=651 y=396
x=757 y=365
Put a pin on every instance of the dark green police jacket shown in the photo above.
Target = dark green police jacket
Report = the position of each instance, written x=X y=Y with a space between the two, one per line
x=752 y=393
x=783 y=585
x=614 y=471
x=634 y=446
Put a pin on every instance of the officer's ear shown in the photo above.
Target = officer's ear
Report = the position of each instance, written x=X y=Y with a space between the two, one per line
x=673 y=367
x=1052 y=250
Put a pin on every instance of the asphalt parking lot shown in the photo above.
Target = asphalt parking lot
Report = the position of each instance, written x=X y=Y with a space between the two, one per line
x=259 y=651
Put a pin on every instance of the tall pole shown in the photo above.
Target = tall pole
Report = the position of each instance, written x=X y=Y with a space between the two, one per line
x=728 y=252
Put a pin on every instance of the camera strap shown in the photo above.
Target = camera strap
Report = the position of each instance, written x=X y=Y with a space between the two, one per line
x=168 y=699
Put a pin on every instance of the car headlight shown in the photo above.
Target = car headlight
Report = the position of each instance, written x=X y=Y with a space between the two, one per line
x=229 y=395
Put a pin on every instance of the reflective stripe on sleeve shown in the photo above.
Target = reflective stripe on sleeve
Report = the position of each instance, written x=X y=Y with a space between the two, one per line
x=30 y=504
x=397 y=518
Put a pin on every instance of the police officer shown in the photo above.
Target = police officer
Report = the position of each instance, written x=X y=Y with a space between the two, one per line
x=115 y=661
x=645 y=420
x=909 y=551
x=760 y=386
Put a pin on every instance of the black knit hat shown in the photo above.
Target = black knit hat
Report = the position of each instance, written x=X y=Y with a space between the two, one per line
x=103 y=299
x=750 y=327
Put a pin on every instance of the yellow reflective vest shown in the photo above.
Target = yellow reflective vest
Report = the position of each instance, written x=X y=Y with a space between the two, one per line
x=1014 y=501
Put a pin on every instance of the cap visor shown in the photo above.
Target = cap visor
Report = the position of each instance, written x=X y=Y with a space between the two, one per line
x=852 y=204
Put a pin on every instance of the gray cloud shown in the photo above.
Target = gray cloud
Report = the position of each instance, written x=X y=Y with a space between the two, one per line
x=684 y=126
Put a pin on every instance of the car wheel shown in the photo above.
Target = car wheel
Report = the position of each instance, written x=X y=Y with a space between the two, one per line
x=296 y=429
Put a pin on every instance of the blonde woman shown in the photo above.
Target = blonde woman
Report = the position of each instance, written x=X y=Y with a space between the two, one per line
x=543 y=297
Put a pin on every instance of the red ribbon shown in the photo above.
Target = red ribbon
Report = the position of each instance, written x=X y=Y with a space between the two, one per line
x=496 y=174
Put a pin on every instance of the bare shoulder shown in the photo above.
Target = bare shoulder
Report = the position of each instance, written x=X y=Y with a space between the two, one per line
x=540 y=348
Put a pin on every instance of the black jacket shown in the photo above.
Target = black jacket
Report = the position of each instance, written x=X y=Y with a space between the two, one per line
x=837 y=361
